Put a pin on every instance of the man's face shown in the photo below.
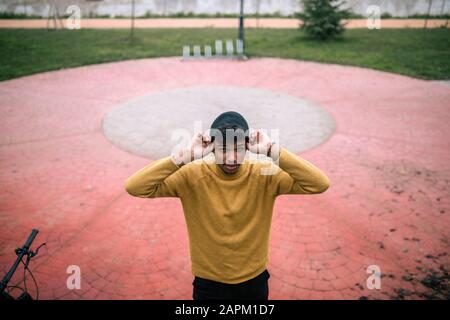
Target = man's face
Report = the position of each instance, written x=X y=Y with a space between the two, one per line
x=232 y=155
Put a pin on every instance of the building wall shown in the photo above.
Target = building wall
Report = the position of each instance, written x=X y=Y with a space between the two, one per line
x=284 y=7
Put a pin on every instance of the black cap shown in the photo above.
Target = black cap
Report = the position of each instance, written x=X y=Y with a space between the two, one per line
x=230 y=119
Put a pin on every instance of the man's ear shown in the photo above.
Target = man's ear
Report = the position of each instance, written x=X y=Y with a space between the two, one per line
x=247 y=141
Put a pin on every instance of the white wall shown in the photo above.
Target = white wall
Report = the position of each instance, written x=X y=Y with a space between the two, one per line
x=285 y=7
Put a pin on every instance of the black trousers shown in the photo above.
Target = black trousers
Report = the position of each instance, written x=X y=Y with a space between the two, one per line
x=253 y=289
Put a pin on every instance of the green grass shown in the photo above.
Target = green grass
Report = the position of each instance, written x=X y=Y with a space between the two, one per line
x=151 y=15
x=414 y=52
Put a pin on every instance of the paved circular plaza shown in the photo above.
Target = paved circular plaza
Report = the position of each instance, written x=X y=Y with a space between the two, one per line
x=70 y=138
x=153 y=125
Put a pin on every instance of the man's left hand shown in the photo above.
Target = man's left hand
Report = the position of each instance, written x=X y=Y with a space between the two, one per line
x=260 y=143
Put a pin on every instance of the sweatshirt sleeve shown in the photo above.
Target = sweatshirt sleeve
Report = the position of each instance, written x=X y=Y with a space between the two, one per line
x=298 y=176
x=161 y=178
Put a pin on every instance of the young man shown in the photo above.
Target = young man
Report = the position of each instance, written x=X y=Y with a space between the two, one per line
x=228 y=203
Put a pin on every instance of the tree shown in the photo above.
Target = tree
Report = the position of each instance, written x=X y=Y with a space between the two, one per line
x=322 y=18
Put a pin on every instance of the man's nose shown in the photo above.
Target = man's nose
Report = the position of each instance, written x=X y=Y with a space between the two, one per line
x=230 y=157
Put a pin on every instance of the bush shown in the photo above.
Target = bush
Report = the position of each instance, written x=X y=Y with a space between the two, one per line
x=322 y=18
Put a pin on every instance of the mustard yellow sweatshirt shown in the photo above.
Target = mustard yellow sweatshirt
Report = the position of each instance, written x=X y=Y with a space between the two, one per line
x=228 y=217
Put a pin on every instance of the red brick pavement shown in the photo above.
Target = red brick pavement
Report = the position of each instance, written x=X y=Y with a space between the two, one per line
x=388 y=204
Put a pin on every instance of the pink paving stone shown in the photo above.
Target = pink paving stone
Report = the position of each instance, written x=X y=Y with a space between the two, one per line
x=388 y=162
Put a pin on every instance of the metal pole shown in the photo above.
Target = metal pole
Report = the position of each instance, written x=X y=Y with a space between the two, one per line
x=132 y=19
x=241 y=26
x=430 y=3
x=258 y=5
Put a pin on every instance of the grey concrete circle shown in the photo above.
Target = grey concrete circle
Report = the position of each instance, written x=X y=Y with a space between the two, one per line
x=144 y=126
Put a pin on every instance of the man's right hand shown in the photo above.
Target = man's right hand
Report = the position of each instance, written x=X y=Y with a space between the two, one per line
x=199 y=147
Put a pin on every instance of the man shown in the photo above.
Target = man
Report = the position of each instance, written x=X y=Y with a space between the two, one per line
x=228 y=203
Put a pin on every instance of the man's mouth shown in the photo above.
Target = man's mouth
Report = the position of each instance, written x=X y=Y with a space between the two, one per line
x=231 y=167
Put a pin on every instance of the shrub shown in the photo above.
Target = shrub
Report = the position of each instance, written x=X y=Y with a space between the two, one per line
x=322 y=18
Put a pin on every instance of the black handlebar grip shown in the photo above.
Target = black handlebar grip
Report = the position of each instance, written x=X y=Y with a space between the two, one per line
x=30 y=239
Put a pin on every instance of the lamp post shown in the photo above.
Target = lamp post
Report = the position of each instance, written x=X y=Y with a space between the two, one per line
x=132 y=20
x=241 y=27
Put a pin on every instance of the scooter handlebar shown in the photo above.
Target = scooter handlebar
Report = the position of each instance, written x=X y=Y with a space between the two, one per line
x=30 y=239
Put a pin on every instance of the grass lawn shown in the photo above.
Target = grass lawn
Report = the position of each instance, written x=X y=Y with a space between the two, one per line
x=417 y=53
